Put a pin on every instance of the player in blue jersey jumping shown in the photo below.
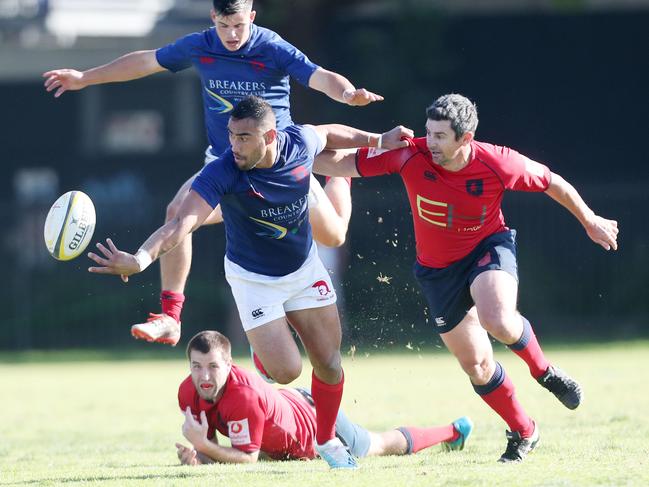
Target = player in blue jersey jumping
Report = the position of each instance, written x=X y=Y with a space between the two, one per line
x=234 y=59
x=271 y=262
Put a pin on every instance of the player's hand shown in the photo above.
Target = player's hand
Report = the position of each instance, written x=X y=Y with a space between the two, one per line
x=63 y=80
x=195 y=431
x=603 y=232
x=115 y=261
x=187 y=456
x=394 y=139
x=360 y=97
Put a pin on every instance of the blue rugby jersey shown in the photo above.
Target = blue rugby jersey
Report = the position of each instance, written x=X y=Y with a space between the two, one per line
x=265 y=211
x=261 y=67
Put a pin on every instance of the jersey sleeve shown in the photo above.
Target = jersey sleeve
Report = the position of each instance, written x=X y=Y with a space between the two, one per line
x=294 y=62
x=376 y=162
x=177 y=55
x=245 y=418
x=215 y=180
x=312 y=143
x=520 y=173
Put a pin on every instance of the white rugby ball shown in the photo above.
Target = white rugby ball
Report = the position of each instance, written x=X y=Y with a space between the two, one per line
x=69 y=225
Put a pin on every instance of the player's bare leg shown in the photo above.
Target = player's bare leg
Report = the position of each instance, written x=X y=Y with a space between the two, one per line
x=495 y=294
x=411 y=439
x=174 y=271
x=320 y=332
x=470 y=344
x=329 y=214
x=275 y=347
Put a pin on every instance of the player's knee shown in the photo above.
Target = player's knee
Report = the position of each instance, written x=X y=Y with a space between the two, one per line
x=172 y=209
x=479 y=371
x=286 y=372
x=328 y=368
x=498 y=321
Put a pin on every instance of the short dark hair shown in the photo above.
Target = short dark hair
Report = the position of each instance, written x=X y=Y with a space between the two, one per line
x=457 y=109
x=208 y=340
x=231 y=7
x=253 y=107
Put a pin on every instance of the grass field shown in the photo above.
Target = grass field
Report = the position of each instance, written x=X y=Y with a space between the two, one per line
x=90 y=419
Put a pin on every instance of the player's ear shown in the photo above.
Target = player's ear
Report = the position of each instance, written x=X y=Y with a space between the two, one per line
x=270 y=136
x=253 y=14
x=467 y=138
x=213 y=16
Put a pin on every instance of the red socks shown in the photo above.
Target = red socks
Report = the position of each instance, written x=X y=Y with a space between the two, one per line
x=499 y=394
x=326 y=398
x=172 y=304
x=527 y=347
x=420 y=438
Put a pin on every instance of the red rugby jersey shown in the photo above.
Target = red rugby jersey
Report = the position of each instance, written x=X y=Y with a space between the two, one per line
x=453 y=211
x=256 y=416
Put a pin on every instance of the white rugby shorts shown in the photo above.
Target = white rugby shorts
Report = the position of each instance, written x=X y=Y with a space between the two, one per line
x=261 y=299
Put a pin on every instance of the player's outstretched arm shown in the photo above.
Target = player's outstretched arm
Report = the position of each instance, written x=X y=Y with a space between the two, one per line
x=339 y=88
x=133 y=65
x=600 y=230
x=336 y=136
x=196 y=433
x=191 y=215
x=336 y=163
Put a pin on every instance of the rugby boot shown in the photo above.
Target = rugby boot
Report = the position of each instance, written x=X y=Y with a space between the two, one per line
x=567 y=390
x=336 y=454
x=518 y=447
x=464 y=427
x=259 y=367
x=160 y=328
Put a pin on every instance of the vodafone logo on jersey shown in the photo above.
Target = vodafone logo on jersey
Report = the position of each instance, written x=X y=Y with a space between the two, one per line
x=239 y=432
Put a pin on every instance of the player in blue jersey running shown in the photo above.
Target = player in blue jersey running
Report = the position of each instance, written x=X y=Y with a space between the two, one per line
x=234 y=59
x=271 y=263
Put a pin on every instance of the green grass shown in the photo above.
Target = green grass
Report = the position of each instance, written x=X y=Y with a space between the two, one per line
x=96 y=420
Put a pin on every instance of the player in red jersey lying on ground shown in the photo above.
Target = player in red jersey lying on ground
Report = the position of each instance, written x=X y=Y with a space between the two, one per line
x=280 y=424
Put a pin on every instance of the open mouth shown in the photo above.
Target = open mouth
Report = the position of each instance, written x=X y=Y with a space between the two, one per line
x=206 y=386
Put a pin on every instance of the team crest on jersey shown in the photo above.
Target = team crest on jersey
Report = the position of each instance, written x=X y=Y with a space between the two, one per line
x=239 y=432
x=474 y=187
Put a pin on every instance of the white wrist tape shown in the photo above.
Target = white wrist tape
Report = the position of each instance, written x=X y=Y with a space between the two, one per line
x=379 y=144
x=143 y=259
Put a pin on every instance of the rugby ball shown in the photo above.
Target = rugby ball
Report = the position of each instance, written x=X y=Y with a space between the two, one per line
x=69 y=225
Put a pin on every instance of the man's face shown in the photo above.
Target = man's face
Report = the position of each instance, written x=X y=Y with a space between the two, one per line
x=209 y=372
x=233 y=30
x=249 y=142
x=441 y=142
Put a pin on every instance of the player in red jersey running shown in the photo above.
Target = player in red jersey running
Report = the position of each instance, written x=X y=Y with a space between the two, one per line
x=466 y=256
x=276 y=423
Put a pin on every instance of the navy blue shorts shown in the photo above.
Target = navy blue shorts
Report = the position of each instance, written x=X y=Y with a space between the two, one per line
x=447 y=290
x=352 y=435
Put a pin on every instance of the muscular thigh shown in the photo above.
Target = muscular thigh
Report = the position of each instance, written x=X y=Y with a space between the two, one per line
x=274 y=345
x=469 y=343
x=320 y=332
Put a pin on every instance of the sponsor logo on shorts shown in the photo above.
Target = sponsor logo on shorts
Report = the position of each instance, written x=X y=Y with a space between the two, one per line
x=257 y=313
x=239 y=432
x=323 y=290
x=439 y=321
